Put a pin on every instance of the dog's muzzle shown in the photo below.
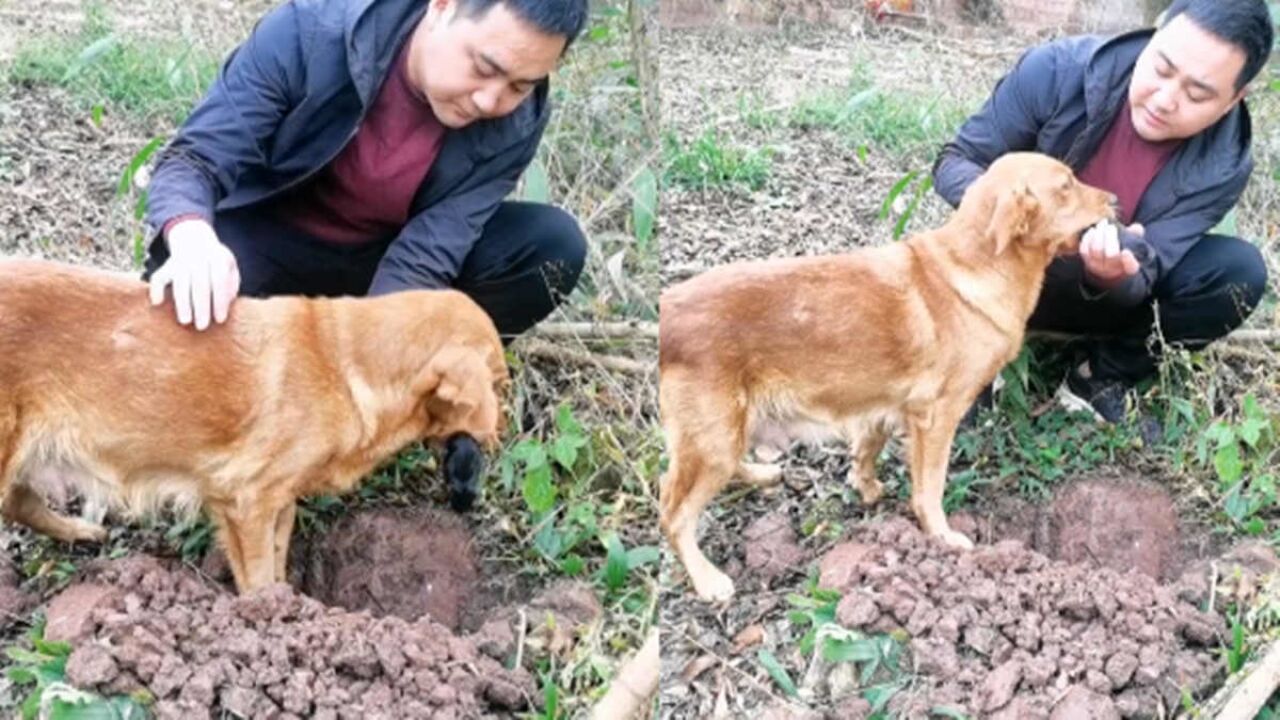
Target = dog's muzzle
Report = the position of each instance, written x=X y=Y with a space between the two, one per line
x=463 y=467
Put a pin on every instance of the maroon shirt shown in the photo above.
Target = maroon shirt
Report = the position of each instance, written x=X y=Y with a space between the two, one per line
x=1125 y=164
x=364 y=194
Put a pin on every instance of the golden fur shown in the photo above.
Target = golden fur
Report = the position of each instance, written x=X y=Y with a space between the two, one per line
x=899 y=337
x=290 y=397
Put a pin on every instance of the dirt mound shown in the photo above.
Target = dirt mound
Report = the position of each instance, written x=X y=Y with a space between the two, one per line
x=1005 y=632
x=274 y=653
x=406 y=564
x=1118 y=523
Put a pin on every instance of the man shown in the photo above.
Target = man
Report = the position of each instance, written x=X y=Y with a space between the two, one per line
x=1158 y=118
x=366 y=146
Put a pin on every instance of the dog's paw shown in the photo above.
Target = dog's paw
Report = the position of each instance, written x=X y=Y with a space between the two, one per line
x=759 y=474
x=955 y=539
x=713 y=587
x=871 y=492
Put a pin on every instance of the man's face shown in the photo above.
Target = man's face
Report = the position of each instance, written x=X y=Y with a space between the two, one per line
x=475 y=68
x=1184 y=82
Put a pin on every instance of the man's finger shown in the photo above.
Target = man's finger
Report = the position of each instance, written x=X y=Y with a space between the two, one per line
x=182 y=295
x=1138 y=229
x=201 y=294
x=1129 y=263
x=1111 y=245
x=224 y=291
x=159 y=281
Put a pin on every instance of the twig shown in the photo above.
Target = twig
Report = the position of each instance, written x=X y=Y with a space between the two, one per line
x=635 y=683
x=624 y=330
x=520 y=640
x=543 y=349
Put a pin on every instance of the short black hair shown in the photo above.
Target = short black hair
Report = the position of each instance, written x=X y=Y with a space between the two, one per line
x=1243 y=23
x=565 y=18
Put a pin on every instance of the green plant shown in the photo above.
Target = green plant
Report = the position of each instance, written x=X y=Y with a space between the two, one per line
x=1237 y=652
x=107 y=70
x=707 y=161
x=923 y=187
x=44 y=668
x=1243 y=456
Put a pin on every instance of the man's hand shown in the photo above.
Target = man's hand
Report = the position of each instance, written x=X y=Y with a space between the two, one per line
x=1106 y=264
x=203 y=273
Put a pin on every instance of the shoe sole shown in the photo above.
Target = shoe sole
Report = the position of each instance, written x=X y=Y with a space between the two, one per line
x=1074 y=403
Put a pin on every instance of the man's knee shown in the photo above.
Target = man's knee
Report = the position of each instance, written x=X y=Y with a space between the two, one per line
x=561 y=248
x=1216 y=287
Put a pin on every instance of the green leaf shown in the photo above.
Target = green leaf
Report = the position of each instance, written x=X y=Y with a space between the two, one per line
x=879 y=695
x=921 y=189
x=538 y=489
x=615 y=566
x=25 y=656
x=644 y=208
x=1251 y=431
x=87 y=56
x=20 y=675
x=96 y=114
x=841 y=650
x=1228 y=463
x=642 y=555
x=31 y=706
x=895 y=191
x=565 y=451
x=572 y=565
x=566 y=423
x=776 y=671
x=862 y=154
x=537 y=186
x=140 y=158
x=551 y=698
x=55 y=649
x=949 y=712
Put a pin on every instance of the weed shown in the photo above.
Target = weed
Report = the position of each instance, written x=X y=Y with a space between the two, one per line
x=44 y=667
x=709 y=161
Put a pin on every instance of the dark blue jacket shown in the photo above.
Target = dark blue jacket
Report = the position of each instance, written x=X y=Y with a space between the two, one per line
x=1060 y=100
x=286 y=102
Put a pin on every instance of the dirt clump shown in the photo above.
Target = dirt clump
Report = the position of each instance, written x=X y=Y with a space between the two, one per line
x=1004 y=631
x=202 y=651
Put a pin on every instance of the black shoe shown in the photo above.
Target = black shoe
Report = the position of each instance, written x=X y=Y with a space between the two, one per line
x=1106 y=400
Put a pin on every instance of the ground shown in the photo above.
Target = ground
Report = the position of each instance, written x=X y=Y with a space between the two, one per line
x=796 y=140
x=397 y=607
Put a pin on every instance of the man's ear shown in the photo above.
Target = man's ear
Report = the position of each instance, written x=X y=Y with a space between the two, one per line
x=1011 y=218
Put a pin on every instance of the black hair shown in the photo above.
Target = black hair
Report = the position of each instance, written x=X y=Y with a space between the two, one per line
x=565 y=18
x=1243 y=23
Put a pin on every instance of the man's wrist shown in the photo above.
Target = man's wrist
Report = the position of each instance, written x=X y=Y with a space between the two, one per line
x=171 y=222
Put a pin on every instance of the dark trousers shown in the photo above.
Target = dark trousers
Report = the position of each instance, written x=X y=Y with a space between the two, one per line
x=525 y=263
x=1208 y=294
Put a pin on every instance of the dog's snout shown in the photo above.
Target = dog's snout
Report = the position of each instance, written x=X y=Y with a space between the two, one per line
x=463 y=467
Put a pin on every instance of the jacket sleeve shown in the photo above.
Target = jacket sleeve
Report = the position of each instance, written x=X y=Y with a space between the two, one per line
x=430 y=249
x=232 y=126
x=1166 y=240
x=1009 y=121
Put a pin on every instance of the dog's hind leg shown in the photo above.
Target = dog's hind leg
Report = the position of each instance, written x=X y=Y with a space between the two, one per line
x=248 y=536
x=930 y=434
x=866 y=439
x=26 y=506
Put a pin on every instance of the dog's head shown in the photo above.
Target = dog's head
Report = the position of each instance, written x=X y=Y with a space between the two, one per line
x=461 y=390
x=1033 y=202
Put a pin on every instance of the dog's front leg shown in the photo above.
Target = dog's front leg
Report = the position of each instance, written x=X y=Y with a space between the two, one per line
x=284 y=533
x=930 y=436
x=248 y=539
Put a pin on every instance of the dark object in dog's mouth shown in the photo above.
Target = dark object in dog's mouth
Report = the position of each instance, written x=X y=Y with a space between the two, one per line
x=463 y=467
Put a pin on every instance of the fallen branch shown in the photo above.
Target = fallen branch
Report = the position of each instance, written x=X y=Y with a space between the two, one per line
x=593 y=331
x=634 y=684
x=543 y=349
x=1243 y=699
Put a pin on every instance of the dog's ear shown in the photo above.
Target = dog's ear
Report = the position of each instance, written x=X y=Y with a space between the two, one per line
x=449 y=380
x=1011 y=219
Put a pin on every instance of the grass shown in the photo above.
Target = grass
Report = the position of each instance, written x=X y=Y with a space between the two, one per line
x=108 y=71
x=570 y=495
x=710 y=161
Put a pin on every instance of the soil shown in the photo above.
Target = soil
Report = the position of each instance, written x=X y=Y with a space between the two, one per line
x=391 y=642
x=1094 y=602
